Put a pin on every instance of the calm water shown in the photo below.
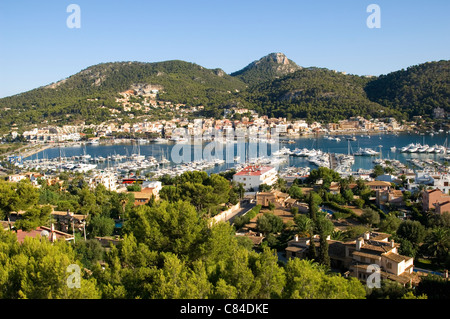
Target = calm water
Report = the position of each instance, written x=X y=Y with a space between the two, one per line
x=386 y=141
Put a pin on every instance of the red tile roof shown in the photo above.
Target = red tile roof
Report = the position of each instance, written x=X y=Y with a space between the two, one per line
x=254 y=170
x=35 y=233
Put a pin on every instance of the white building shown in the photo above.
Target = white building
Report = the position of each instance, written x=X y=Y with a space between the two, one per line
x=153 y=184
x=107 y=179
x=253 y=176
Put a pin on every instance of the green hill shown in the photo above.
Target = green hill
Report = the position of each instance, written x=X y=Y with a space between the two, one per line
x=81 y=96
x=273 y=85
x=416 y=90
x=315 y=94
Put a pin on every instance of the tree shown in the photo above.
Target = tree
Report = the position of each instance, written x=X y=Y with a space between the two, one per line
x=269 y=223
x=326 y=175
x=434 y=287
x=295 y=192
x=313 y=202
x=34 y=217
x=390 y=224
x=89 y=252
x=280 y=184
x=101 y=226
x=413 y=231
x=236 y=272
x=15 y=197
x=168 y=227
x=437 y=245
x=38 y=269
x=308 y=280
x=324 y=228
x=370 y=217
x=304 y=224
x=348 y=195
x=87 y=201
x=134 y=188
x=270 y=277
x=265 y=188
x=378 y=170
x=177 y=281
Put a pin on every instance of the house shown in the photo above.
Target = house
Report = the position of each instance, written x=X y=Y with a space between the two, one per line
x=433 y=197
x=384 y=254
x=274 y=197
x=254 y=175
x=67 y=219
x=256 y=238
x=16 y=178
x=45 y=232
x=144 y=196
x=392 y=197
x=356 y=256
x=379 y=185
x=443 y=207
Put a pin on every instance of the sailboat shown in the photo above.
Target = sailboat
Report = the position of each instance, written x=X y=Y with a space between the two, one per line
x=137 y=155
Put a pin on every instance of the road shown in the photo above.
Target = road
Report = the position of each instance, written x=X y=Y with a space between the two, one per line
x=244 y=208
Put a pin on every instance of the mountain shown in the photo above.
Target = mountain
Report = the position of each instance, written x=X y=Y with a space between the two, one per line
x=272 y=85
x=88 y=94
x=417 y=90
x=315 y=94
x=270 y=67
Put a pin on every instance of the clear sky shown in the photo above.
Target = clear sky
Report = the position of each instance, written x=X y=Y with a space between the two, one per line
x=37 y=47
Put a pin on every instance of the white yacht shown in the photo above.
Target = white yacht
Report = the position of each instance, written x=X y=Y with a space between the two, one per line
x=423 y=149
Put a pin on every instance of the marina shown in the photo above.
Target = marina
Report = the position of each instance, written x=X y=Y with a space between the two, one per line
x=155 y=156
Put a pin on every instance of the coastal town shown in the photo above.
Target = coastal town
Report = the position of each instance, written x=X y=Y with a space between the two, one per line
x=353 y=200
x=158 y=152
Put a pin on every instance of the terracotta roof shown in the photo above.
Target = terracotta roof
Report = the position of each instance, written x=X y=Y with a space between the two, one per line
x=404 y=278
x=367 y=255
x=254 y=171
x=396 y=257
x=294 y=249
x=21 y=235
x=378 y=183
x=379 y=236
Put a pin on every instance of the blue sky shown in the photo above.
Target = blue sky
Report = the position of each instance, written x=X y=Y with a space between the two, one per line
x=37 y=47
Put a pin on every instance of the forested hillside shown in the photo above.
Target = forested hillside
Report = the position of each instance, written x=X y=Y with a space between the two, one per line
x=315 y=94
x=416 y=90
x=81 y=96
x=273 y=85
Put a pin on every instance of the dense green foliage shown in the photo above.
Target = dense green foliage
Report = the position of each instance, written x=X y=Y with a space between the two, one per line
x=81 y=96
x=168 y=251
x=205 y=193
x=416 y=91
x=315 y=94
x=245 y=219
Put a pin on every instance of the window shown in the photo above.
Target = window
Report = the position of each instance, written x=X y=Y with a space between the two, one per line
x=389 y=265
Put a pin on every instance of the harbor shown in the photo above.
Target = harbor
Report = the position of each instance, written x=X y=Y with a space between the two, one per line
x=347 y=155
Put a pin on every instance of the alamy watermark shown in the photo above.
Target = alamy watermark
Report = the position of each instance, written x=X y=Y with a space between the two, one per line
x=74 y=19
x=374 y=279
x=74 y=279
x=374 y=19
x=231 y=145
